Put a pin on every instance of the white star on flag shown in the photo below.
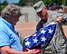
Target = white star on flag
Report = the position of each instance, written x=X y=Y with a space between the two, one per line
x=40 y=38
x=27 y=38
x=43 y=31
x=50 y=31
x=35 y=40
x=43 y=39
x=34 y=35
x=27 y=43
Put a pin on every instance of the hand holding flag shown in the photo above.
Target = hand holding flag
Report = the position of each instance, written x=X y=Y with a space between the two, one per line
x=40 y=38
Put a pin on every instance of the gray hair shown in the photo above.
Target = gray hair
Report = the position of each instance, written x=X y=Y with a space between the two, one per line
x=12 y=10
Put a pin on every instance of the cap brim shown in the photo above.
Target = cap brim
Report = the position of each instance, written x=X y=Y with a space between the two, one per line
x=38 y=10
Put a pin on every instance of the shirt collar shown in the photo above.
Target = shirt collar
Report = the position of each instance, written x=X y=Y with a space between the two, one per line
x=7 y=23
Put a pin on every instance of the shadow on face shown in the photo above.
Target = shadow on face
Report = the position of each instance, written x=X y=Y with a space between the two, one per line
x=43 y=14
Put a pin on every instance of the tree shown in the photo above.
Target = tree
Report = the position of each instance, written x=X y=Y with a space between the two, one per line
x=22 y=2
x=47 y=1
x=58 y=2
x=66 y=2
x=35 y=1
x=3 y=5
x=5 y=2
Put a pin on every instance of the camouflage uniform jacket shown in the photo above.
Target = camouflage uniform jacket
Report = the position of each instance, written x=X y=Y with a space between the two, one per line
x=58 y=44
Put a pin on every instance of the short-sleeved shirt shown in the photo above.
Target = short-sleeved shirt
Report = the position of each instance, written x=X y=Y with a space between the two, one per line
x=8 y=36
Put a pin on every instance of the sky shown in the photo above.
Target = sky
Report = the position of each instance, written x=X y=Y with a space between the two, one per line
x=11 y=1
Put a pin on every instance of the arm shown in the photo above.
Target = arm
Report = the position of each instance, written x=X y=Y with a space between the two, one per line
x=8 y=50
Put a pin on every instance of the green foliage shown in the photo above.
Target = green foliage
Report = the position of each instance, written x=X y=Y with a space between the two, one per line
x=59 y=2
x=21 y=41
x=35 y=1
x=2 y=7
x=5 y=2
x=42 y=51
x=47 y=1
x=22 y=2
x=66 y=2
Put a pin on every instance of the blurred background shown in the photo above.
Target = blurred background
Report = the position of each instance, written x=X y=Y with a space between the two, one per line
x=29 y=13
x=28 y=21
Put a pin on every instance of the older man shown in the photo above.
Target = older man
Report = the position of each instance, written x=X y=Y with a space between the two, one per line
x=9 y=39
x=58 y=42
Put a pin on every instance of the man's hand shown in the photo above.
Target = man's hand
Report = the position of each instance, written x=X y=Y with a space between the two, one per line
x=34 y=51
x=60 y=19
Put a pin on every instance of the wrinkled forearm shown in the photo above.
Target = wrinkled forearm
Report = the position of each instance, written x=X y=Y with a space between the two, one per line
x=8 y=50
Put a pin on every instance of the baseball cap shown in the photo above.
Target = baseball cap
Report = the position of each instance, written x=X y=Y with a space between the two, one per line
x=38 y=6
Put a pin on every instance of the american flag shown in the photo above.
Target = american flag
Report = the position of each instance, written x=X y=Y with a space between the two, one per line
x=40 y=38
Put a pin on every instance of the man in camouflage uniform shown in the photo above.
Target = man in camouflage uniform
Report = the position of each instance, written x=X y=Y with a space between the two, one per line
x=58 y=43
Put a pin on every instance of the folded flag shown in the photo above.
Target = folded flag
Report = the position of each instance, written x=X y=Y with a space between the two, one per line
x=40 y=38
